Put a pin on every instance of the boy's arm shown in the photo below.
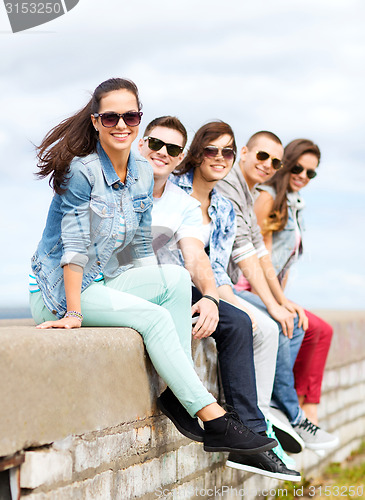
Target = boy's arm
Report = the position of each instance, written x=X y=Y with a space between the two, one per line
x=252 y=270
x=263 y=208
x=247 y=250
x=198 y=265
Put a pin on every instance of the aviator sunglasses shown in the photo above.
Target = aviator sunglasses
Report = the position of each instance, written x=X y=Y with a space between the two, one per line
x=212 y=152
x=111 y=119
x=275 y=162
x=156 y=144
x=298 y=169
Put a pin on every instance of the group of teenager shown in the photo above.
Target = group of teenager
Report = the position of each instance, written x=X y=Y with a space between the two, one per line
x=189 y=244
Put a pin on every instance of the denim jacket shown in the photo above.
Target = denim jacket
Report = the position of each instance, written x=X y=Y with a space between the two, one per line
x=284 y=242
x=224 y=228
x=83 y=224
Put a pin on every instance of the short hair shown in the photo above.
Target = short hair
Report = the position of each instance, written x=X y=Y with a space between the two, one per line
x=263 y=133
x=169 y=122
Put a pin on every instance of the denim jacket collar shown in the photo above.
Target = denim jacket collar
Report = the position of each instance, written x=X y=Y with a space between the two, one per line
x=109 y=172
x=185 y=181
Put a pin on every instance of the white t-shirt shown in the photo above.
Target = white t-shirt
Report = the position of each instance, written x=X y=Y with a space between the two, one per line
x=207 y=231
x=175 y=215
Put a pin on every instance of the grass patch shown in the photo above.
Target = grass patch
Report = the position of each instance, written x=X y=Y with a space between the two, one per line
x=339 y=480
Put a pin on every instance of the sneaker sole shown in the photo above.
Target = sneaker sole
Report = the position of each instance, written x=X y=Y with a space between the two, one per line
x=322 y=446
x=289 y=442
x=184 y=432
x=262 y=472
x=248 y=451
x=293 y=443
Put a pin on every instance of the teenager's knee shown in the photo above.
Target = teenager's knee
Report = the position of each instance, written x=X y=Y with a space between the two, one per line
x=239 y=329
x=176 y=278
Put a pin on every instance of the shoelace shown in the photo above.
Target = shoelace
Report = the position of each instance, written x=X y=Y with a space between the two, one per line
x=307 y=425
x=275 y=458
x=233 y=418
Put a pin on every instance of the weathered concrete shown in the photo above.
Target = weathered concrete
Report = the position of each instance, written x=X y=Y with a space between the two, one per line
x=88 y=396
x=64 y=382
x=61 y=382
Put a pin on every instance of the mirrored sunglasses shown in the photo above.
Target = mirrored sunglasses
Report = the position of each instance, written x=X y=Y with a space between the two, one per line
x=111 y=119
x=213 y=151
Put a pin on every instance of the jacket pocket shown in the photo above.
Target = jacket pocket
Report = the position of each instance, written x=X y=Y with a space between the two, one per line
x=102 y=215
x=141 y=203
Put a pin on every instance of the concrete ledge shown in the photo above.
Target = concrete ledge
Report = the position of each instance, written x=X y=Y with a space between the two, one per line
x=81 y=403
x=61 y=382
x=348 y=343
x=58 y=383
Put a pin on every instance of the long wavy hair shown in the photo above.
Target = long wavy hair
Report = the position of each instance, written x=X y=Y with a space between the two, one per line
x=75 y=136
x=280 y=182
x=204 y=136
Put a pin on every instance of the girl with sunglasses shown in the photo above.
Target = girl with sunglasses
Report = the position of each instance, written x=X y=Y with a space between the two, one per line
x=279 y=208
x=95 y=265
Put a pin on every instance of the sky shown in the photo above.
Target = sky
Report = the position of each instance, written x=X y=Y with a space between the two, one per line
x=296 y=68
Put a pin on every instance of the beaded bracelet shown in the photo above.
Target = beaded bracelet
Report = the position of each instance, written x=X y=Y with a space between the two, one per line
x=74 y=314
x=212 y=299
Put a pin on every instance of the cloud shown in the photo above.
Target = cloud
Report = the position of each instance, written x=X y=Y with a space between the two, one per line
x=292 y=67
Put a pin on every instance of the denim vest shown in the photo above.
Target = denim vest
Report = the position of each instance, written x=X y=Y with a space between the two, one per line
x=284 y=241
x=222 y=215
x=83 y=224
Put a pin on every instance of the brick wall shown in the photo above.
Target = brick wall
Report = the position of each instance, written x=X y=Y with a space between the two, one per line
x=143 y=456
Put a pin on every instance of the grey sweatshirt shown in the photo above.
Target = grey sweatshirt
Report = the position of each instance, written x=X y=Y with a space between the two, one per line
x=249 y=240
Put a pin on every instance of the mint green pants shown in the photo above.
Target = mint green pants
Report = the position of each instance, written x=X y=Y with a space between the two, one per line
x=155 y=301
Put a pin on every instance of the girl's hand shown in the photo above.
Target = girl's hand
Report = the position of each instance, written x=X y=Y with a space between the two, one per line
x=70 y=322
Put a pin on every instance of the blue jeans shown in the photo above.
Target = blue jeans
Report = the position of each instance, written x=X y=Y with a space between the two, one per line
x=284 y=394
x=234 y=342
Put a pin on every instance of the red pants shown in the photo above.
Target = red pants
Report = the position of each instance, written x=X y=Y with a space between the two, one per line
x=311 y=359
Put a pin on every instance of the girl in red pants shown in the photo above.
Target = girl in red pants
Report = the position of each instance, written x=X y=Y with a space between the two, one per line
x=279 y=207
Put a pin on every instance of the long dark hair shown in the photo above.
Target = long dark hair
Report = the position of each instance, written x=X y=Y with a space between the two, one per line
x=206 y=134
x=75 y=136
x=280 y=182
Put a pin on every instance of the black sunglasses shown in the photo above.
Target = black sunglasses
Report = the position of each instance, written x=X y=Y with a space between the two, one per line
x=212 y=152
x=111 y=119
x=156 y=144
x=298 y=169
x=275 y=162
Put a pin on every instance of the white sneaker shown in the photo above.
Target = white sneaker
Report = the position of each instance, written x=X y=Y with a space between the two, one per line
x=289 y=439
x=314 y=437
x=320 y=453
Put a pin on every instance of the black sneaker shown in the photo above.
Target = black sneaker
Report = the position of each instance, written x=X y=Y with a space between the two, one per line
x=266 y=464
x=285 y=433
x=172 y=408
x=228 y=433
